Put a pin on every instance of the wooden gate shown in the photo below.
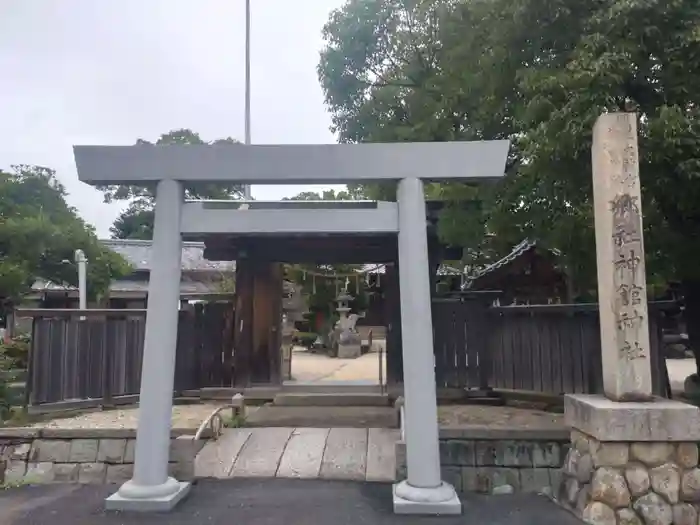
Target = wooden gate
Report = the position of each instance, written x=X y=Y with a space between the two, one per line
x=392 y=316
x=462 y=358
x=257 y=334
x=205 y=347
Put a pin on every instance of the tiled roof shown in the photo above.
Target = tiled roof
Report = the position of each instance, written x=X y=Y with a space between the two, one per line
x=187 y=287
x=443 y=269
x=520 y=249
x=138 y=254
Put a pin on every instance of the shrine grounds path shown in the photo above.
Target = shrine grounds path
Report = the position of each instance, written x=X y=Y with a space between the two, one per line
x=268 y=502
x=313 y=368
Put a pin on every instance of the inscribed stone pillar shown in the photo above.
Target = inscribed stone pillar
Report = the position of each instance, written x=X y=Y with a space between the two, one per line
x=622 y=293
x=622 y=441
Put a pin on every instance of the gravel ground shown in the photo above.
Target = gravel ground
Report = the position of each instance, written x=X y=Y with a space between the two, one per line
x=184 y=416
x=498 y=417
x=191 y=416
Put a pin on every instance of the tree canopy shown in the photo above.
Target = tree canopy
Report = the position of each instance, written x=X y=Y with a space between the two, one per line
x=327 y=195
x=136 y=221
x=39 y=234
x=323 y=291
x=537 y=72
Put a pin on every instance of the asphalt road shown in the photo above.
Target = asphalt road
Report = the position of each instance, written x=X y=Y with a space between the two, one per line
x=267 y=502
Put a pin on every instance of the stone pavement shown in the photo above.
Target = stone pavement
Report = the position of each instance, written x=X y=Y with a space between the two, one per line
x=267 y=502
x=327 y=453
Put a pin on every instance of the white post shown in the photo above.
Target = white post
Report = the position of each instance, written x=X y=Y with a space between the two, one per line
x=423 y=492
x=81 y=261
x=151 y=489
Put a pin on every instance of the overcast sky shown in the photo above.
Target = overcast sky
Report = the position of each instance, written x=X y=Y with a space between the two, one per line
x=112 y=71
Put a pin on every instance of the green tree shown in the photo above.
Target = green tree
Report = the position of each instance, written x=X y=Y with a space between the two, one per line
x=136 y=221
x=538 y=72
x=325 y=195
x=323 y=299
x=383 y=72
x=39 y=232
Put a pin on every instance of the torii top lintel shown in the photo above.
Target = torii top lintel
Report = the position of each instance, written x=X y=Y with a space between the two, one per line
x=292 y=164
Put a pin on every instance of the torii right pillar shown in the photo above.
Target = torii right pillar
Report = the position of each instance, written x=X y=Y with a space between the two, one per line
x=423 y=492
x=634 y=456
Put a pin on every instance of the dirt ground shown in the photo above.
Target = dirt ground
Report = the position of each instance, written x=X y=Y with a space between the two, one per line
x=191 y=416
x=308 y=367
x=498 y=417
x=184 y=416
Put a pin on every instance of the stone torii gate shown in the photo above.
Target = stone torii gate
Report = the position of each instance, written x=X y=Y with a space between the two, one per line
x=171 y=167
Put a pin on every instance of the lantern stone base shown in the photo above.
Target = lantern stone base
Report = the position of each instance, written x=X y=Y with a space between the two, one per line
x=631 y=463
x=349 y=351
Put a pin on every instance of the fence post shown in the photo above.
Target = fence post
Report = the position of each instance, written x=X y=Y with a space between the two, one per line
x=482 y=322
x=29 y=384
x=107 y=356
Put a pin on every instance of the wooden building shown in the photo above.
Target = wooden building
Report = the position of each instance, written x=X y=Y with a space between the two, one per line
x=201 y=279
x=259 y=277
x=529 y=274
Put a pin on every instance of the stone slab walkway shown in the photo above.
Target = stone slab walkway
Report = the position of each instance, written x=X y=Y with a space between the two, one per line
x=268 y=501
x=358 y=454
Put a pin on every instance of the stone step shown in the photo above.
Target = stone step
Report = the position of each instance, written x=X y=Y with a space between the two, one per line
x=15 y=393
x=378 y=332
x=13 y=375
x=323 y=417
x=331 y=387
x=331 y=399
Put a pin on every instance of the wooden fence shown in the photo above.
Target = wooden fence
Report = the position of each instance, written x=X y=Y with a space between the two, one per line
x=78 y=355
x=552 y=349
x=459 y=342
x=96 y=355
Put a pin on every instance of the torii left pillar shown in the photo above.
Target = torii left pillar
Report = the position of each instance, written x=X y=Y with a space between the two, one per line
x=423 y=491
x=150 y=488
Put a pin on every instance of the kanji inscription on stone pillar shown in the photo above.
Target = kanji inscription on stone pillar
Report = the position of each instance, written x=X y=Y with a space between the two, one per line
x=622 y=297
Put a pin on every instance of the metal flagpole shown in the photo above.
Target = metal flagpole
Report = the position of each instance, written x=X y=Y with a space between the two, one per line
x=246 y=188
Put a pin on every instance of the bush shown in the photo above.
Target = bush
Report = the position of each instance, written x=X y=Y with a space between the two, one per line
x=17 y=351
x=6 y=365
x=305 y=339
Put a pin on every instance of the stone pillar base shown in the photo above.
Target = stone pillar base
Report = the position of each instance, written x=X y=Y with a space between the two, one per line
x=631 y=463
x=151 y=499
x=438 y=501
x=349 y=351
